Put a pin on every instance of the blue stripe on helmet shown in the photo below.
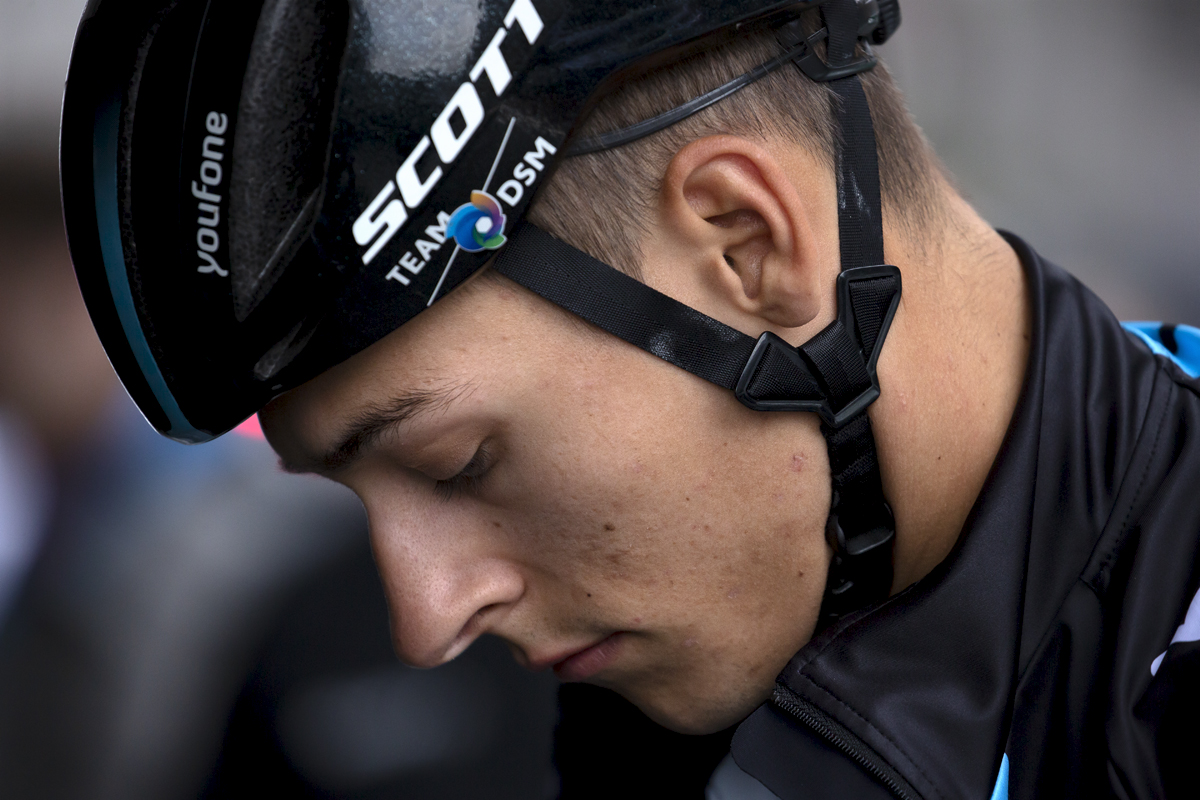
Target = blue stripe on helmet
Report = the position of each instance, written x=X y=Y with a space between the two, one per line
x=104 y=176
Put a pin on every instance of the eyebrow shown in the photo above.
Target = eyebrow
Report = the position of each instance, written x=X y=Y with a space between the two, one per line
x=370 y=425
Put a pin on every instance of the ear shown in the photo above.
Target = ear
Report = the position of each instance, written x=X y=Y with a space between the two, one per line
x=730 y=211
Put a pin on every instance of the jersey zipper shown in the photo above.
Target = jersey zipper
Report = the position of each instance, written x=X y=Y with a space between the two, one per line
x=837 y=735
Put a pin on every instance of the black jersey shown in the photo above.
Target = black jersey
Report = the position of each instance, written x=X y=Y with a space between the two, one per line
x=1053 y=652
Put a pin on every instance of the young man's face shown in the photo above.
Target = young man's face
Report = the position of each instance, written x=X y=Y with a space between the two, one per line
x=613 y=516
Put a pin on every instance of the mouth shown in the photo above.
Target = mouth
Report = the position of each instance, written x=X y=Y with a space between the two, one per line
x=582 y=664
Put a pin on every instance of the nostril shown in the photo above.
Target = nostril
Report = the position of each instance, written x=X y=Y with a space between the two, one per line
x=478 y=621
x=483 y=612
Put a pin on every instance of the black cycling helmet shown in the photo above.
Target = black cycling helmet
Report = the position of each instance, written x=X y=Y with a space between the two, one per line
x=256 y=190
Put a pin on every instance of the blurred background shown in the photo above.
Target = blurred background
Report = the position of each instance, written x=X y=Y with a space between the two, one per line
x=190 y=622
x=1075 y=124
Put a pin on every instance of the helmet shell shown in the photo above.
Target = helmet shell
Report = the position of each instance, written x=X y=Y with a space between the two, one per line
x=255 y=191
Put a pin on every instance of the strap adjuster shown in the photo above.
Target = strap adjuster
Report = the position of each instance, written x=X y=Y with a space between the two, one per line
x=867 y=302
x=770 y=344
x=821 y=72
x=861 y=570
x=873 y=25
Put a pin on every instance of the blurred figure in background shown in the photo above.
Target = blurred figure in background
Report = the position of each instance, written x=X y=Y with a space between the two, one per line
x=54 y=381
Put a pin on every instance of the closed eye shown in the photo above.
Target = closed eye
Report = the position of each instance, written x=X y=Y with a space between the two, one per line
x=468 y=479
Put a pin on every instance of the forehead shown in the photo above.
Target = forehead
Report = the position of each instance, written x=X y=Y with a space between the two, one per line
x=486 y=330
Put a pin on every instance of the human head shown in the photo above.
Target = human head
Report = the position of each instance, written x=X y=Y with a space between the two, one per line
x=764 y=205
x=592 y=490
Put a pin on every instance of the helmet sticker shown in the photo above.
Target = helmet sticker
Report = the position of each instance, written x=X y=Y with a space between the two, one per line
x=478 y=225
x=376 y=226
x=465 y=223
x=208 y=209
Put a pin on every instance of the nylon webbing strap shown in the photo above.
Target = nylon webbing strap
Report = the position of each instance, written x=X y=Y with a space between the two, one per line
x=861 y=528
x=860 y=226
x=623 y=306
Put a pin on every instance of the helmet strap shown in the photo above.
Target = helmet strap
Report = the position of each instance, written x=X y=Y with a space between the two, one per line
x=832 y=375
x=861 y=529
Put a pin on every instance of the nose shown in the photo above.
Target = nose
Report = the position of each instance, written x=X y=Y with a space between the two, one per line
x=447 y=582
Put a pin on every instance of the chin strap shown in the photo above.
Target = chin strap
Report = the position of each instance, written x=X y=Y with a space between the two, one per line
x=832 y=375
x=860 y=529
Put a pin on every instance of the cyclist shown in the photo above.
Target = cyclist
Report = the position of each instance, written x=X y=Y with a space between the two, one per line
x=598 y=308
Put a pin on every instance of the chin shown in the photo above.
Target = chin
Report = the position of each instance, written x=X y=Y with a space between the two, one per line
x=690 y=714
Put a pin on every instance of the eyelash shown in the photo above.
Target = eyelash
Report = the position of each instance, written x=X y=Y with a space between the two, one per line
x=469 y=478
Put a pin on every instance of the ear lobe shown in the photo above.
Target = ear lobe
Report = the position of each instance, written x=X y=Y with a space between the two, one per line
x=743 y=221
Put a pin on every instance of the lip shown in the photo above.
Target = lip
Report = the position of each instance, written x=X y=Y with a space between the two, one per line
x=582 y=664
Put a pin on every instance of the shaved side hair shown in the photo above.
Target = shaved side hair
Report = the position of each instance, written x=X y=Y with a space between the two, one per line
x=619 y=185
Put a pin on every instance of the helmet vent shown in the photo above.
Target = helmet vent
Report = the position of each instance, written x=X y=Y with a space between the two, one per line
x=283 y=351
x=281 y=145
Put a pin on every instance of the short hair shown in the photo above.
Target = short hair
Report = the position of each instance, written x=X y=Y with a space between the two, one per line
x=620 y=184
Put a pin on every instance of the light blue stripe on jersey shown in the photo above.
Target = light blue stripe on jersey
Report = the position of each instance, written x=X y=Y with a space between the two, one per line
x=1001 y=790
x=1187 y=340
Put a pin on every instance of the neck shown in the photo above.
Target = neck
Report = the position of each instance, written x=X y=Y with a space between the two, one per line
x=951 y=373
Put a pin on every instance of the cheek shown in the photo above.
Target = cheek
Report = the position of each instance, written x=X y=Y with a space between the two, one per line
x=599 y=499
x=712 y=555
x=664 y=514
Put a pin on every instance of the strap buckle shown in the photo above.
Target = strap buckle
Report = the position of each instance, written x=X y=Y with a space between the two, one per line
x=817 y=70
x=870 y=21
x=771 y=345
x=855 y=360
x=861 y=570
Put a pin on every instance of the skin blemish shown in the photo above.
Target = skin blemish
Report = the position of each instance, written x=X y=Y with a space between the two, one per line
x=689 y=642
x=608 y=526
x=734 y=592
x=617 y=558
x=798 y=462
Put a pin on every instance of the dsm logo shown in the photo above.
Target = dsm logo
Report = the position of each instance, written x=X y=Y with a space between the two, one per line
x=477 y=225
